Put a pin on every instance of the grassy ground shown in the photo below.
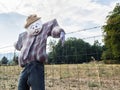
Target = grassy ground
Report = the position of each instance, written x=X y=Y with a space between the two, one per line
x=68 y=77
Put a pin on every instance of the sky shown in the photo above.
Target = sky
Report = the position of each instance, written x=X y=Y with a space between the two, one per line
x=72 y=15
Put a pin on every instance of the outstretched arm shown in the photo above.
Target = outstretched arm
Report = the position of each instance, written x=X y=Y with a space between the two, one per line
x=56 y=31
x=18 y=45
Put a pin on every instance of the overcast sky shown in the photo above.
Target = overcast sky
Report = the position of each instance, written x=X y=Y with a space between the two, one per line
x=72 y=15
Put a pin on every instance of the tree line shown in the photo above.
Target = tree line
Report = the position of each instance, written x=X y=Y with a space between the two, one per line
x=75 y=51
x=79 y=51
x=6 y=61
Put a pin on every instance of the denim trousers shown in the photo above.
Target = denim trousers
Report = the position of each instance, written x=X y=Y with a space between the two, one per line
x=32 y=76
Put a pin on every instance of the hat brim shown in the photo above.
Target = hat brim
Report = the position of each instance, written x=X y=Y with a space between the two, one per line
x=29 y=23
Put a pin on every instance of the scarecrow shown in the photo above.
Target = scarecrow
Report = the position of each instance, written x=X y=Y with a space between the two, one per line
x=32 y=47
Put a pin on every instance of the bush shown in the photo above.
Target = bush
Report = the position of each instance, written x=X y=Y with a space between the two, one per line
x=111 y=61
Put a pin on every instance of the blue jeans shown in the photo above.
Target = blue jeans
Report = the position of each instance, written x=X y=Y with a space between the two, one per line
x=32 y=76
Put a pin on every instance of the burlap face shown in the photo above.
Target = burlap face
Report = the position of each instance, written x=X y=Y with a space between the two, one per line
x=35 y=28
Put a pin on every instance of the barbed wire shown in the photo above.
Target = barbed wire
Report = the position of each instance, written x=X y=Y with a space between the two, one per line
x=68 y=71
x=48 y=44
x=85 y=29
x=92 y=37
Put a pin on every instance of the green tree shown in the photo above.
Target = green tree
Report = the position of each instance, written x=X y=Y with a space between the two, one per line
x=15 y=60
x=74 y=51
x=4 y=60
x=52 y=54
x=97 y=50
x=112 y=34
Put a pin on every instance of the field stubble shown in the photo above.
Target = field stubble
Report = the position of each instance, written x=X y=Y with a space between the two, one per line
x=68 y=77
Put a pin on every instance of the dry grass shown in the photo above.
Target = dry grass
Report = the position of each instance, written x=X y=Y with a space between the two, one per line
x=68 y=77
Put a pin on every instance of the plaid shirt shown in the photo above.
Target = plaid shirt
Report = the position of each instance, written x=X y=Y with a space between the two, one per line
x=34 y=47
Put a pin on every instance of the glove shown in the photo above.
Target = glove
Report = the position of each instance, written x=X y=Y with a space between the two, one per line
x=62 y=38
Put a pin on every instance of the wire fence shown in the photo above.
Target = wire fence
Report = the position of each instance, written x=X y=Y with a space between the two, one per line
x=73 y=76
x=86 y=76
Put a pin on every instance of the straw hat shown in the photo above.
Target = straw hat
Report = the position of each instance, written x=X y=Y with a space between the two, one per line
x=31 y=19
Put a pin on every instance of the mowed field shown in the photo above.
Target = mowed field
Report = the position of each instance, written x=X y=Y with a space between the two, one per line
x=91 y=76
